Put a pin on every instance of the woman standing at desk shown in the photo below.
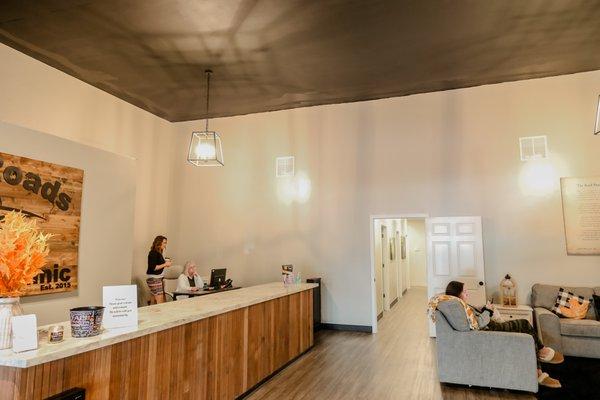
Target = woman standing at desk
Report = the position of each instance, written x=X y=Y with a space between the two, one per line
x=156 y=266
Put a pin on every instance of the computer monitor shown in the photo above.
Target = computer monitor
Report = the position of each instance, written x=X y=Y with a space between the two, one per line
x=217 y=277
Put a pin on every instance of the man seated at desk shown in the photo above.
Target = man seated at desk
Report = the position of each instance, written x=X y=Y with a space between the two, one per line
x=189 y=280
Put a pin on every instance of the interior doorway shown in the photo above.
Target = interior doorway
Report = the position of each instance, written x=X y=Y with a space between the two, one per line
x=390 y=260
x=452 y=250
x=416 y=248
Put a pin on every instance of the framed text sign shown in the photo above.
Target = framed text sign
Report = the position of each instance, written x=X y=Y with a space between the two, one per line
x=581 y=211
x=51 y=194
x=120 y=306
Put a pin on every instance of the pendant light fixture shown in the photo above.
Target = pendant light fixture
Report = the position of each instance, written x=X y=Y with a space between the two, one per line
x=205 y=146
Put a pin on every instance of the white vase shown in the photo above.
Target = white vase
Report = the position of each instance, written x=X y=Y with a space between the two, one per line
x=9 y=306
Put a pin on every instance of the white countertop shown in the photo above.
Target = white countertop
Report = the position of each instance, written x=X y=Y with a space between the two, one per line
x=152 y=319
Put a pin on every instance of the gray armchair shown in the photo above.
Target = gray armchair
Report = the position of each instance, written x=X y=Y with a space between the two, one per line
x=483 y=358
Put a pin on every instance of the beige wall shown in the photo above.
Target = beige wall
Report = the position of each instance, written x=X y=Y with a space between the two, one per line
x=460 y=156
x=106 y=229
x=417 y=250
x=44 y=99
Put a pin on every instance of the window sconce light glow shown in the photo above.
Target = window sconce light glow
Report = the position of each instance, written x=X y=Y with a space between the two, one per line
x=597 y=126
x=538 y=178
x=294 y=189
x=206 y=150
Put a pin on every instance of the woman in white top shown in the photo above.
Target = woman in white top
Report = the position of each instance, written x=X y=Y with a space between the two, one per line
x=189 y=280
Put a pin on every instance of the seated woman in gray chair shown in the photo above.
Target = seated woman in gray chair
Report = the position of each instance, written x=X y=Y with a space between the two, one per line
x=189 y=280
x=483 y=321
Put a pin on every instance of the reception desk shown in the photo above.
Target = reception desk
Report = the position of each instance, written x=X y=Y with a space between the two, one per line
x=211 y=347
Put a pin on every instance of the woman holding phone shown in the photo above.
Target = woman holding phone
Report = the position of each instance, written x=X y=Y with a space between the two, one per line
x=156 y=265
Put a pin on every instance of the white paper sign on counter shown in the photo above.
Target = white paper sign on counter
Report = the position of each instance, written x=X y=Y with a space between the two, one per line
x=24 y=333
x=120 y=304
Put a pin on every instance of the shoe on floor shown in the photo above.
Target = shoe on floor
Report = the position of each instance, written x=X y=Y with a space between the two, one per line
x=545 y=380
x=553 y=357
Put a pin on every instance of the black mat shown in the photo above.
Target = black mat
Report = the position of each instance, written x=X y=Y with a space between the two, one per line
x=579 y=377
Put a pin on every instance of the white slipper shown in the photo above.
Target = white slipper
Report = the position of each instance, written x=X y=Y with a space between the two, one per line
x=553 y=357
x=549 y=356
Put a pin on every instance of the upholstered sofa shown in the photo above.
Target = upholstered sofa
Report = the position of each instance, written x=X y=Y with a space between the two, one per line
x=483 y=358
x=580 y=338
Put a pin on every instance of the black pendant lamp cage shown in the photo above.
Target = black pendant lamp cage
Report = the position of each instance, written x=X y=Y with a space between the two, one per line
x=205 y=146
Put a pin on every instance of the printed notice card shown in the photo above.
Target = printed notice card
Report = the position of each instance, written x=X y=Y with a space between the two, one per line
x=120 y=304
x=581 y=209
x=24 y=333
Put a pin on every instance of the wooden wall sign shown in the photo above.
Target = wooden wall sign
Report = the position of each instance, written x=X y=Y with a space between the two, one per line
x=581 y=210
x=51 y=194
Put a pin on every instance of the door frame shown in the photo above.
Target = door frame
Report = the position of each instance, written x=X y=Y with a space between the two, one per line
x=372 y=219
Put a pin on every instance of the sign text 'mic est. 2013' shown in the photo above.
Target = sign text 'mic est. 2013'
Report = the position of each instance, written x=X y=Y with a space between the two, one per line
x=51 y=194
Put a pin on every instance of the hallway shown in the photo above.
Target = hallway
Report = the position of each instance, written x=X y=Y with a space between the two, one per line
x=396 y=363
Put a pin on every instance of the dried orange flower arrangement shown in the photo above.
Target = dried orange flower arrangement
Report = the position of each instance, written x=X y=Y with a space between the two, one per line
x=23 y=251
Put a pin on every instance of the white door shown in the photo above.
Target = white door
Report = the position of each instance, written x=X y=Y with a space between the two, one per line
x=378 y=267
x=455 y=253
x=405 y=261
x=394 y=267
x=385 y=264
x=390 y=270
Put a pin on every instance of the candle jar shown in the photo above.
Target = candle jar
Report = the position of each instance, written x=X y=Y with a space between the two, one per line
x=55 y=334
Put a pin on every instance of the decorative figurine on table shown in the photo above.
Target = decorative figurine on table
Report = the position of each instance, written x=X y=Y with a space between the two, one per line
x=508 y=292
x=287 y=273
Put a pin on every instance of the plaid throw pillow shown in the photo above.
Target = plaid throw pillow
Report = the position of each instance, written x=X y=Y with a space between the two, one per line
x=568 y=303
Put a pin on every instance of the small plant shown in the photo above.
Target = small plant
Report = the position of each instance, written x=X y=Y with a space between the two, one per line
x=23 y=252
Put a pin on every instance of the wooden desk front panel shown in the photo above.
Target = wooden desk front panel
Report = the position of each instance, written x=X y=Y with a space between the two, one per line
x=278 y=331
x=220 y=357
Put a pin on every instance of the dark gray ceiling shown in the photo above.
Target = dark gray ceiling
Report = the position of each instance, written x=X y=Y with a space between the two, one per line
x=278 y=54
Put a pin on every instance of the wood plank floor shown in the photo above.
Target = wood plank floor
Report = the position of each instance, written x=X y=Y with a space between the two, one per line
x=396 y=363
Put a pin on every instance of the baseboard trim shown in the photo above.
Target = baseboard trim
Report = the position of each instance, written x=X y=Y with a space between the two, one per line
x=380 y=316
x=349 y=328
x=394 y=302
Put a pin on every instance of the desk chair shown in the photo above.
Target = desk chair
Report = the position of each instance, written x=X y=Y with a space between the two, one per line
x=170 y=280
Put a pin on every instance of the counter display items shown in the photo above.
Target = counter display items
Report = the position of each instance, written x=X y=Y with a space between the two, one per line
x=55 y=334
x=224 y=334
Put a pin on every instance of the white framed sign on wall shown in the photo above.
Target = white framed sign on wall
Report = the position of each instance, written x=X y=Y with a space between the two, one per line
x=581 y=212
